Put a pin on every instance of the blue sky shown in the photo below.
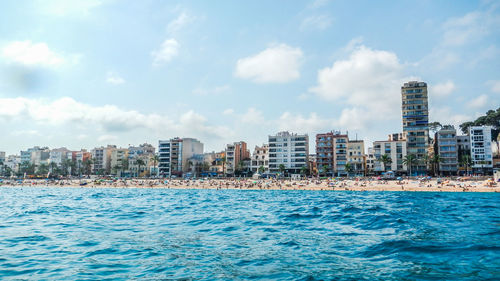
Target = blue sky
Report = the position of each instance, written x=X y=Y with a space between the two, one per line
x=97 y=72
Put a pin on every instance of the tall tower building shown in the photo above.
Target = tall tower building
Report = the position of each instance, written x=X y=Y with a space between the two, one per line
x=416 y=122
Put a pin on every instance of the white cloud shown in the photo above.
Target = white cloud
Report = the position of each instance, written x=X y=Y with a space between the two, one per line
x=31 y=54
x=106 y=138
x=213 y=91
x=168 y=50
x=178 y=23
x=495 y=86
x=107 y=118
x=320 y=22
x=26 y=133
x=228 y=111
x=442 y=90
x=252 y=116
x=114 y=78
x=299 y=123
x=458 y=31
x=479 y=102
x=446 y=116
x=276 y=64
x=369 y=83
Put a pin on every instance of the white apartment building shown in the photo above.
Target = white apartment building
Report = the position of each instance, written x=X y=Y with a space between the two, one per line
x=290 y=150
x=395 y=149
x=175 y=153
x=101 y=159
x=480 y=148
x=356 y=156
x=260 y=158
x=446 y=148
x=58 y=155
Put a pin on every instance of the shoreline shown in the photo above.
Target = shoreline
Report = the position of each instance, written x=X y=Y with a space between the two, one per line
x=247 y=184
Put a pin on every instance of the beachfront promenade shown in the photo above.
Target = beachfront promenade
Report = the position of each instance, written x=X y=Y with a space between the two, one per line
x=359 y=184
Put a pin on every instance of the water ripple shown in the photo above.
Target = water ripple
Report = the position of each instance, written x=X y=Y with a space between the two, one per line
x=162 y=234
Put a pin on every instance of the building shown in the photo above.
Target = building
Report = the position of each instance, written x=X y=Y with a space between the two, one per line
x=260 y=158
x=416 y=122
x=445 y=145
x=289 y=151
x=119 y=161
x=236 y=154
x=36 y=155
x=13 y=162
x=331 y=153
x=58 y=155
x=396 y=149
x=370 y=161
x=175 y=153
x=356 y=157
x=214 y=162
x=480 y=149
x=101 y=159
x=2 y=157
x=139 y=158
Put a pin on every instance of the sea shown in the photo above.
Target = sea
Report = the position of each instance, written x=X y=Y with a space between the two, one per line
x=53 y=233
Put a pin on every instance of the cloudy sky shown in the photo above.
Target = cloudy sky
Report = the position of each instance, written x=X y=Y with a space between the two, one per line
x=97 y=72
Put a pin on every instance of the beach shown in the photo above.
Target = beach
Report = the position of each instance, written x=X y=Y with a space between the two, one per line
x=359 y=184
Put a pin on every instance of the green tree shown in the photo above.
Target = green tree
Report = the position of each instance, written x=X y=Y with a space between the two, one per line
x=87 y=166
x=386 y=160
x=436 y=159
x=304 y=170
x=466 y=162
x=409 y=160
x=261 y=169
x=43 y=169
x=155 y=159
x=282 y=168
x=348 y=169
x=140 y=163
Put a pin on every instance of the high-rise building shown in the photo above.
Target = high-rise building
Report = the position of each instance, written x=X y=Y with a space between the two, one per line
x=480 y=149
x=288 y=150
x=175 y=153
x=416 y=122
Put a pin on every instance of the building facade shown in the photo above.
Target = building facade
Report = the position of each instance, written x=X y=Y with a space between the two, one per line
x=236 y=154
x=260 y=158
x=356 y=157
x=445 y=145
x=396 y=149
x=175 y=153
x=331 y=153
x=480 y=149
x=289 y=151
x=416 y=122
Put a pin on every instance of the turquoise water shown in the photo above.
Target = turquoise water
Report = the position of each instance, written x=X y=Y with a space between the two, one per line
x=161 y=234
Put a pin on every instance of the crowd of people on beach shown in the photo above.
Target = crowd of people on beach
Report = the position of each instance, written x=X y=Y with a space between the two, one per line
x=360 y=183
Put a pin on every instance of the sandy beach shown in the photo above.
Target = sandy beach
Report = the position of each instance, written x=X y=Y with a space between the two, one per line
x=362 y=184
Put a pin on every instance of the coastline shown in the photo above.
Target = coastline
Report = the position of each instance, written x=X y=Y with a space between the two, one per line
x=248 y=184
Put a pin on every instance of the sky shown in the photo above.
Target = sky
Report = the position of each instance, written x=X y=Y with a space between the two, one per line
x=82 y=74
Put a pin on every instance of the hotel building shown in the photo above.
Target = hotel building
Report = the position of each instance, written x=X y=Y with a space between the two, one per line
x=480 y=149
x=175 y=153
x=446 y=147
x=290 y=150
x=416 y=121
x=331 y=153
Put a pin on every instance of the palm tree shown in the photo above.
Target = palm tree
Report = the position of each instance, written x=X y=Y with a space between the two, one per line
x=348 y=168
x=427 y=161
x=261 y=169
x=436 y=159
x=281 y=168
x=224 y=166
x=87 y=164
x=155 y=159
x=139 y=163
x=466 y=162
x=52 y=166
x=409 y=160
x=323 y=169
x=43 y=169
x=303 y=170
x=386 y=160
